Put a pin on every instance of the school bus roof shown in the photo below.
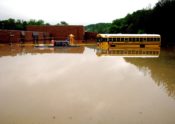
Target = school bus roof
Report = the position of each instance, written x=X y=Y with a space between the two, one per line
x=128 y=35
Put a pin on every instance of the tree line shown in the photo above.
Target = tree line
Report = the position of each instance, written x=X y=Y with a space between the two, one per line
x=99 y=27
x=18 y=24
x=158 y=20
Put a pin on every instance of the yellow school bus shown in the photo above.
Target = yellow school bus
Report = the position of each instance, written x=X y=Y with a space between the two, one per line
x=129 y=40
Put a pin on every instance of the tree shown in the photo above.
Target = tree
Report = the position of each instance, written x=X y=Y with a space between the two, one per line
x=64 y=23
x=35 y=22
x=99 y=27
x=58 y=24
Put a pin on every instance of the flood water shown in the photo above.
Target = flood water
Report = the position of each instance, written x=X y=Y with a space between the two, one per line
x=85 y=85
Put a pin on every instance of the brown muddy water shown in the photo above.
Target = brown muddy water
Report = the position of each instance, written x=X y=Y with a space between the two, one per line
x=85 y=85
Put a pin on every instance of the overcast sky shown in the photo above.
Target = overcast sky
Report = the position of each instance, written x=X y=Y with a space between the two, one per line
x=76 y=12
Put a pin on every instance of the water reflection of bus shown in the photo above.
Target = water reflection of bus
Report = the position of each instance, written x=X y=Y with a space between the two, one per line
x=129 y=40
x=128 y=51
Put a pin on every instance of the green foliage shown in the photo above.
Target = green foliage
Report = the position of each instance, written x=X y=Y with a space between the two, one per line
x=13 y=24
x=35 y=22
x=158 y=20
x=132 y=23
x=58 y=24
x=7 y=24
x=99 y=27
x=47 y=24
x=62 y=23
x=163 y=20
x=18 y=24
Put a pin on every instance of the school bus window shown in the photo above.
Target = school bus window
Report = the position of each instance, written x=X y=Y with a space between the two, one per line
x=134 y=39
x=141 y=39
x=114 y=39
x=122 y=39
x=144 y=39
x=154 y=39
x=110 y=39
x=118 y=39
x=157 y=39
x=104 y=39
x=148 y=39
x=130 y=39
x=126 y=39
x=125 y=52
x=137 y=39
x=151 y=39
x=99 y=39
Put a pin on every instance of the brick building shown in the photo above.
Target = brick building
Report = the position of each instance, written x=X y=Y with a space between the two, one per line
x=44 y=34
x=17 y=36
x=61 y=32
